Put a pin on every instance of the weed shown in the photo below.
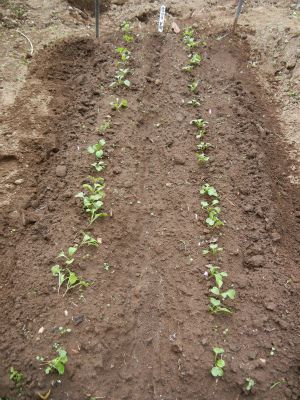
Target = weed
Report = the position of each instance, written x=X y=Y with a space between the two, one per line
x=219 y=364
x=58 y=363
x=250 y=383
x=213 y=248
x=104 y=126
x=193 y=86
x=15 y=375
x=118 y=104
x=93 y=199
x=89 y=240
x=69 y=259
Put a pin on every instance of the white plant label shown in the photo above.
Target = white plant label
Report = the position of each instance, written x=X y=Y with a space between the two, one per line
x=161 y=19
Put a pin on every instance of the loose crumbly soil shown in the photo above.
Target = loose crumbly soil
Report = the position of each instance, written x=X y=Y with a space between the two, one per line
x=144 y=329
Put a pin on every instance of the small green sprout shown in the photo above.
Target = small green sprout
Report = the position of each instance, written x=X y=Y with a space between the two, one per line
x=202 y=158
x=126 y=29
x=219 y=364
x=193 y=86
x=195 y=59
x=118 y=104
x=212 y=220
x=124 y=54
x=69 y=255
x=93 y=199
x=89 y=240
x=106 y=266
x=250 y=383
x=104 y=126
x=191 y=42
x=63 y=331
x=15 y=375
x=203 y=146
x=58 y=363
x=217 y=307
x=199 y=123
x=217 y=275
x=120 y=78
x=188 y=32
x=208 y=190
x=193 y=103
x=98 y=165
x=70 y=278
x=188 y=68
x=230 y=293
x=97 y=149
x=213 y=248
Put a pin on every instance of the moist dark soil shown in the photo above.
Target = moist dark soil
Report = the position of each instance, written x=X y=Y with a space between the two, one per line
x=143 y=329
x=89 y=5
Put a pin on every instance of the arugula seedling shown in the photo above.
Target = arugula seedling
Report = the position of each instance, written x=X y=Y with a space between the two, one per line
x=202 y=158
x=203 y=145
x=217 y=275
x=230 y=293
x=188 y=32
x=191 y=42
x=93 y=199
x=188 y=68
x=97 y=148
x=250 y=383
x=89 y=240
x=217 y=307
x=99 y=166
x=57 y=271
x=69 y=256
x=104 y=126
x=58 y=363
x=118 y=104
x=120 y=78
x=126 y=28
x=124 y=54
x=15 y=375
x=63 y=331
x=193 y=86
x=195 y=59
x=219 y=364
x=208 y=190
x=199 y=123
x=193 y=103
x=213 y=248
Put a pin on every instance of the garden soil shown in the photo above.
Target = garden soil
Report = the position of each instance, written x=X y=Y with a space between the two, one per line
x=142 y=329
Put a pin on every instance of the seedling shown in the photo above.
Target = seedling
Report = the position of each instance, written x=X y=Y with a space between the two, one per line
x=118 y=104
x=58 y=363
x=99 y=166
x=126 y=28
x=93 y=199
x=106 y=266
x=89 y=240
x=63 y=331
x=190 y=42
x=120 y=78
x=208 y=190
x=193 y=86
x=124 y=54
x=97 y=149
x=212 y=220
x=217 y=307
x=69 y=259
x=217 y=275
x=193 y=103
x=15 y=375
x=104 y=126
x=199 y=123
x=250 y=383
x=230 y=293
x=203 y=146
x=188 y=68
x=219 y=364
x=188 y=32
x=195 y=59
x=202 y=158
x=70 y=278
x=213 y=248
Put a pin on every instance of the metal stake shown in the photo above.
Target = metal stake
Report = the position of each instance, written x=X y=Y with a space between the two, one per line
x=238 y=12
x=97 y=15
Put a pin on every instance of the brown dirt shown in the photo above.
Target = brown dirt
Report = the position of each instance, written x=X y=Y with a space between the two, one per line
x=147 y=332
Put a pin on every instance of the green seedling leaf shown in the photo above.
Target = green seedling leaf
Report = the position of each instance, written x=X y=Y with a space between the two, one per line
x=229 y=294
x=195 y=59
x=89 y=240
x=215 y=291
x=193 y=86
x=15 y=375
x=250 y=383
x=58 y=363
x=202 y=158
x=220 y=363
x=209 y=190
x=217 y=372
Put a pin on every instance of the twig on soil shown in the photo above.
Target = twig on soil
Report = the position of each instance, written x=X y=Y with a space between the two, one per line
x=31 y=45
